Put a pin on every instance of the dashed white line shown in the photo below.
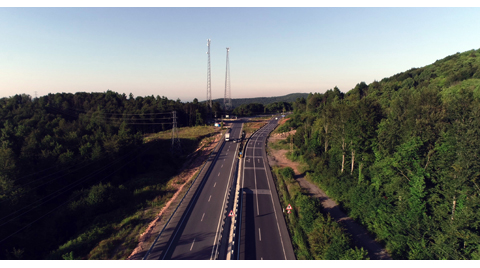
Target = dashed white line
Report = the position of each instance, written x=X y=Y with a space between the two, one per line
x=259 y=234
x=218 y=174
x=192 y=245
x=221 y=166
x=202 y=217
x=209 y=198
x=214 y=185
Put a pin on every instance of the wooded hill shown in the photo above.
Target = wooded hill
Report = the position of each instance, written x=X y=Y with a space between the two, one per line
x=402 y=156
x=263 y=100
x=67 y=163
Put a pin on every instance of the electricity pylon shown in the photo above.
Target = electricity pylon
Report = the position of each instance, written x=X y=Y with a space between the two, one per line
x=176 y=146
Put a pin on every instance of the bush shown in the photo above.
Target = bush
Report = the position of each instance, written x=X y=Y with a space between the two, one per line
x=287 y=173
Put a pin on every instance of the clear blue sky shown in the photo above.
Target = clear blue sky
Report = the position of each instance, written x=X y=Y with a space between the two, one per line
x=273 y=51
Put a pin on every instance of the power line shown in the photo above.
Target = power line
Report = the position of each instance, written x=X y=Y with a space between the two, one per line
x=50 y=175
x=28 y=225
x=61 y=191
x=126 y=120
x=83 y=111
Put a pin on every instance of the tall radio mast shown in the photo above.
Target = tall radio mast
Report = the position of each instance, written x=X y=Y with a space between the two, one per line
x=227 y=100
x=209 y=83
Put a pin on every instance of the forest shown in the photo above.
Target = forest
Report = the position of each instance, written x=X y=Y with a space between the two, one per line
x=265 y=101
x=401 y=156
x=66 y=160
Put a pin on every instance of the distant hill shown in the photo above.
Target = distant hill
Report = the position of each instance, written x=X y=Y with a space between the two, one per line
x=264 y=100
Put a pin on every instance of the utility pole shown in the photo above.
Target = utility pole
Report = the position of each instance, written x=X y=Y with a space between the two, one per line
x=176 y=146
x=209 y=79
x=227 y=100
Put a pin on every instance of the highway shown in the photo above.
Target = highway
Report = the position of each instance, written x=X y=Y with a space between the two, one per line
x=196 y=235
x=263 y=232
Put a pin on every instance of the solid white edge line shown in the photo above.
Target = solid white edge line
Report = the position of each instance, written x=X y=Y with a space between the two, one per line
x=188 y=208
x=275 y=212
x=215 y=249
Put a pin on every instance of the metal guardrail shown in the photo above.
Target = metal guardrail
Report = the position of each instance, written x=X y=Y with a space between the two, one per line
x=238 y=201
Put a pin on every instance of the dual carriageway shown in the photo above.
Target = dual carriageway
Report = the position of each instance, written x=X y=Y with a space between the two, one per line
x=200 y=228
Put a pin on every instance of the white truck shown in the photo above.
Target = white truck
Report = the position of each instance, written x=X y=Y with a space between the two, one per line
x=227 y=136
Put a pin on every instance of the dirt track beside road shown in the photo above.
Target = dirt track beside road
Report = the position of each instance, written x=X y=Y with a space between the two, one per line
x=360 y=235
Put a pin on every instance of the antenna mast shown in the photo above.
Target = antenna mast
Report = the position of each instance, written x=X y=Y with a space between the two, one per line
x=209 y=83
x=227 y=100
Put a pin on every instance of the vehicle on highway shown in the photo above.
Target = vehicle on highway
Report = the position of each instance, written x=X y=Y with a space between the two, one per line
x=227 y=135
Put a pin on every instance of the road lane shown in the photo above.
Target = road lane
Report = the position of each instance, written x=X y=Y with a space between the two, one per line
x=265 y=234
x=196 y=236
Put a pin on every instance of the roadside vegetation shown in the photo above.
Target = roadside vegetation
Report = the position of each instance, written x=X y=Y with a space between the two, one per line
x=315 y=235
x=401 y=156
x=254 y=124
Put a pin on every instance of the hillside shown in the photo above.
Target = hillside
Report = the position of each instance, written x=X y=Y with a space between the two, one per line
x=75 y=169
x=402 y=157
x=264 y=100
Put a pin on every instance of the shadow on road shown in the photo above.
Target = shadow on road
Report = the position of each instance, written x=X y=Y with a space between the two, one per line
x=250 y=249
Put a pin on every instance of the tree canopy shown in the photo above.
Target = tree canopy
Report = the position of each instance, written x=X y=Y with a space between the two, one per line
x=402 y=156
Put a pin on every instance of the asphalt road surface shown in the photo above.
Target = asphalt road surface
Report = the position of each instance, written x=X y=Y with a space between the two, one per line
x=196 y=236
x=264 y=233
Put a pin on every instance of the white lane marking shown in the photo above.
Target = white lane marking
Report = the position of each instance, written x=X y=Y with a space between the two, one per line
x=209 y=198
x=261 y=258
x=255 y=177
x=218 y=174
x=275 y=213
x=259 y=234
x=221 y=166
x=215 y=247
x=214 y=185
x=192 y=245
x=202 y=217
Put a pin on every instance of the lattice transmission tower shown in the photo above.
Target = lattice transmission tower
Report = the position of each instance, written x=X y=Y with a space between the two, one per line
x=209 y=78
x=227 y=100
x=176 y=146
